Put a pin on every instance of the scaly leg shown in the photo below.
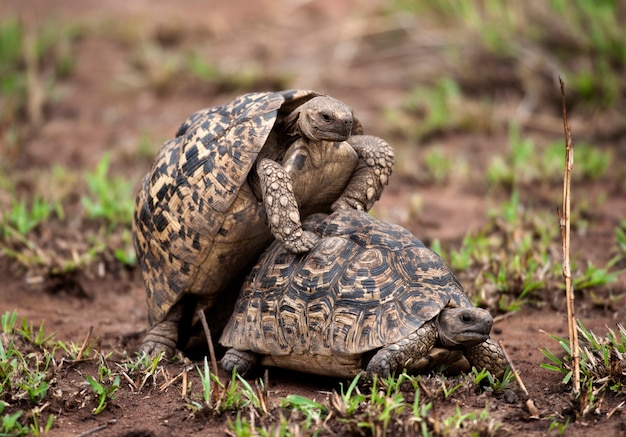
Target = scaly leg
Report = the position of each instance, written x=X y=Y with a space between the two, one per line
x=487 y=355
x=371 y=174
x=163 y=336
x=281 y=205
x=395 y=357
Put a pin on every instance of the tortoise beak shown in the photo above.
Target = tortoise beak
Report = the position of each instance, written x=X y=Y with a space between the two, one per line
x=339 y=130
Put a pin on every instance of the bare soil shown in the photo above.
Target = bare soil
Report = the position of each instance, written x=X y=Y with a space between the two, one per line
x=105 y=105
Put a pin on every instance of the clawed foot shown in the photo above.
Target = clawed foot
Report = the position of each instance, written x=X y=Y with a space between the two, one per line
x=302 y=243
x=345 y=202
x=161 y=339
x=153 y=349
x=241 y=361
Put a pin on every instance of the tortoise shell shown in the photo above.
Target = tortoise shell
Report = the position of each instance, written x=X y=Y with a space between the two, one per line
x=365 y=285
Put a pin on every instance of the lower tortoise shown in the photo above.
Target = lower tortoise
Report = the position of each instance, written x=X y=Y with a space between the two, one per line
x=234 y=178
x=369 y=296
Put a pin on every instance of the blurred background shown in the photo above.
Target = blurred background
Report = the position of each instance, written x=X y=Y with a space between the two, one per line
x=466 y=92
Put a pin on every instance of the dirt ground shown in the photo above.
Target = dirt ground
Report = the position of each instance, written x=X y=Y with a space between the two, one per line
x=105 y=106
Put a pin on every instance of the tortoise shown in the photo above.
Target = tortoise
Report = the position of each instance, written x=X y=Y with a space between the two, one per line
x=234 y=178
x=368 y=297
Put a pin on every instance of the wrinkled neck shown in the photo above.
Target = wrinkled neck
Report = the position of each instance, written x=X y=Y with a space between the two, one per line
x=444 y=338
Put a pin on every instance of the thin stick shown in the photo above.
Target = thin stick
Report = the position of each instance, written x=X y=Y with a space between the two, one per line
x=84 y=345
x=97 y=428
x=530 y=404
x=183 y=393
x=34 y=86
x=513 y=369
x=209 y=339
x=619 y=407
x=564 y=223
x=171 y=381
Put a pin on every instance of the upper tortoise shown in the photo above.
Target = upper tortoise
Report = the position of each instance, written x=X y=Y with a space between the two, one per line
x=369 y=296
x=234 y=178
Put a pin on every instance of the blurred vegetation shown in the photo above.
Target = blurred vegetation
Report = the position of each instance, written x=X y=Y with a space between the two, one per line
x=586 y=36
x=32 y=60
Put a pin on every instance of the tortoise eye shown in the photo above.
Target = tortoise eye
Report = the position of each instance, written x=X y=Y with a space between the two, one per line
x=326 y=116
x=466 y=318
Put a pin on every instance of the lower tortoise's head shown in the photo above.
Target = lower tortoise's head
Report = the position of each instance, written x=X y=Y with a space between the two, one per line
x=464 y=326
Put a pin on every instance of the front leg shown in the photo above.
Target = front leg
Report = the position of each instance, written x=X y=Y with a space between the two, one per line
x=487 y=355
x=371 y=174
x=281 y=206
x=404 y=354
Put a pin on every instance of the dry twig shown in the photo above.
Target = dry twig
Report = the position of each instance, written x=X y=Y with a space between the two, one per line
x=564 y=223
x=34 y=86
x=170 y=381
x=85 y=343
x=209 y=339
x=530 y=404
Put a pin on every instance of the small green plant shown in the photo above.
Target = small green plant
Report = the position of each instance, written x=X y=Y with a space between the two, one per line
x=37 y=336
x=469 y=420
x=494 y=384
x=104 y=393
x=594 y=276
x=24 y=376
x=447 y=392
x=376 y=412
x=148 y=367
x=10 y=424
x=438 y=166
x=32 y=60
x=110 y=198
x=313 y=412
x=205 y=379
x=508 y=259
x=23 y=218
x=8 y=320
x=349 y=401
x=517 y=167
x=35 y=429
x=34 y=382
x=238 y=394
x=73 y=349
x=601 y=365
x=437 y=106
x=126 y=253
x=421 y=413
x=528 y=163
x=240 y=427
x=557 y=425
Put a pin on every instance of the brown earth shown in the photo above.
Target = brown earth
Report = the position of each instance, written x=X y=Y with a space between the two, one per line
x=344 y=49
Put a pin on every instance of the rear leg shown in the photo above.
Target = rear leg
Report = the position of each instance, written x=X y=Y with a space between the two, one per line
x=163 y=337
x=244 y=362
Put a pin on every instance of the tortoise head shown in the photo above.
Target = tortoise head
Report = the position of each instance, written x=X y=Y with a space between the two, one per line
x=465 y=327
x=325 y=119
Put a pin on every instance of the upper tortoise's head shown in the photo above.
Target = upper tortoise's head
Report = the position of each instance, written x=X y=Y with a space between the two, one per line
x=325 y=118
